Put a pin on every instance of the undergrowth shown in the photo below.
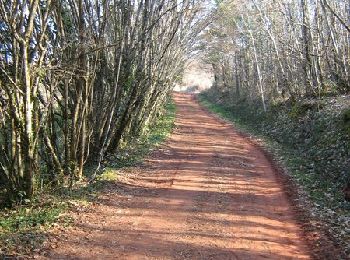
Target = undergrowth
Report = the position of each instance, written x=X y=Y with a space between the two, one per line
x=132 y=152
x=23 y=228
x=310 y=140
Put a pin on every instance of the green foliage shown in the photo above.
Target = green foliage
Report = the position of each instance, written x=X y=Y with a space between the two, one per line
x=135 y=150
x=100 y=92
x=218 y=2
x=27 y=218
x=307 y=140
x=311 y=145
x=346 y=121
x=109 y=174
x=330 y=88
x=23 y=228
x=299 y=109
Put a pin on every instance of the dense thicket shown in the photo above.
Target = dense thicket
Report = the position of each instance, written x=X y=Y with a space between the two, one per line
x=78 y=77
x=283 y=49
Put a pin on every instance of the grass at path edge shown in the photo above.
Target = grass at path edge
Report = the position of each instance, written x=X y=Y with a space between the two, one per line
x=23 y=228
x=333 y=211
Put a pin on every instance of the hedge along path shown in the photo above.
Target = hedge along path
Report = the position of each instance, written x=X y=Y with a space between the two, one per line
x=208 y=193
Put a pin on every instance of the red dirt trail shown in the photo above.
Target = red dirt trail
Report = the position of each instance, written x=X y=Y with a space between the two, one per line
x=208 y=193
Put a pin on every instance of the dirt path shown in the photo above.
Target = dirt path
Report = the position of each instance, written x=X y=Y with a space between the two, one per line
x=207 y=194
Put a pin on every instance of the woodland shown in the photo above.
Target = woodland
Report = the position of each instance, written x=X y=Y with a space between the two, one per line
x=287 y=58
x=82 y=80
x=282 y=73
x=279 y=50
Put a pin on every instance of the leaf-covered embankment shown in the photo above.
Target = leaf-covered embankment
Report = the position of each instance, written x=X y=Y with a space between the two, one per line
x=311 y=139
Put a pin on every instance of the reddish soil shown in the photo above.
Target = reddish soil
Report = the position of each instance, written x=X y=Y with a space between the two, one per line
x=208 y=193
